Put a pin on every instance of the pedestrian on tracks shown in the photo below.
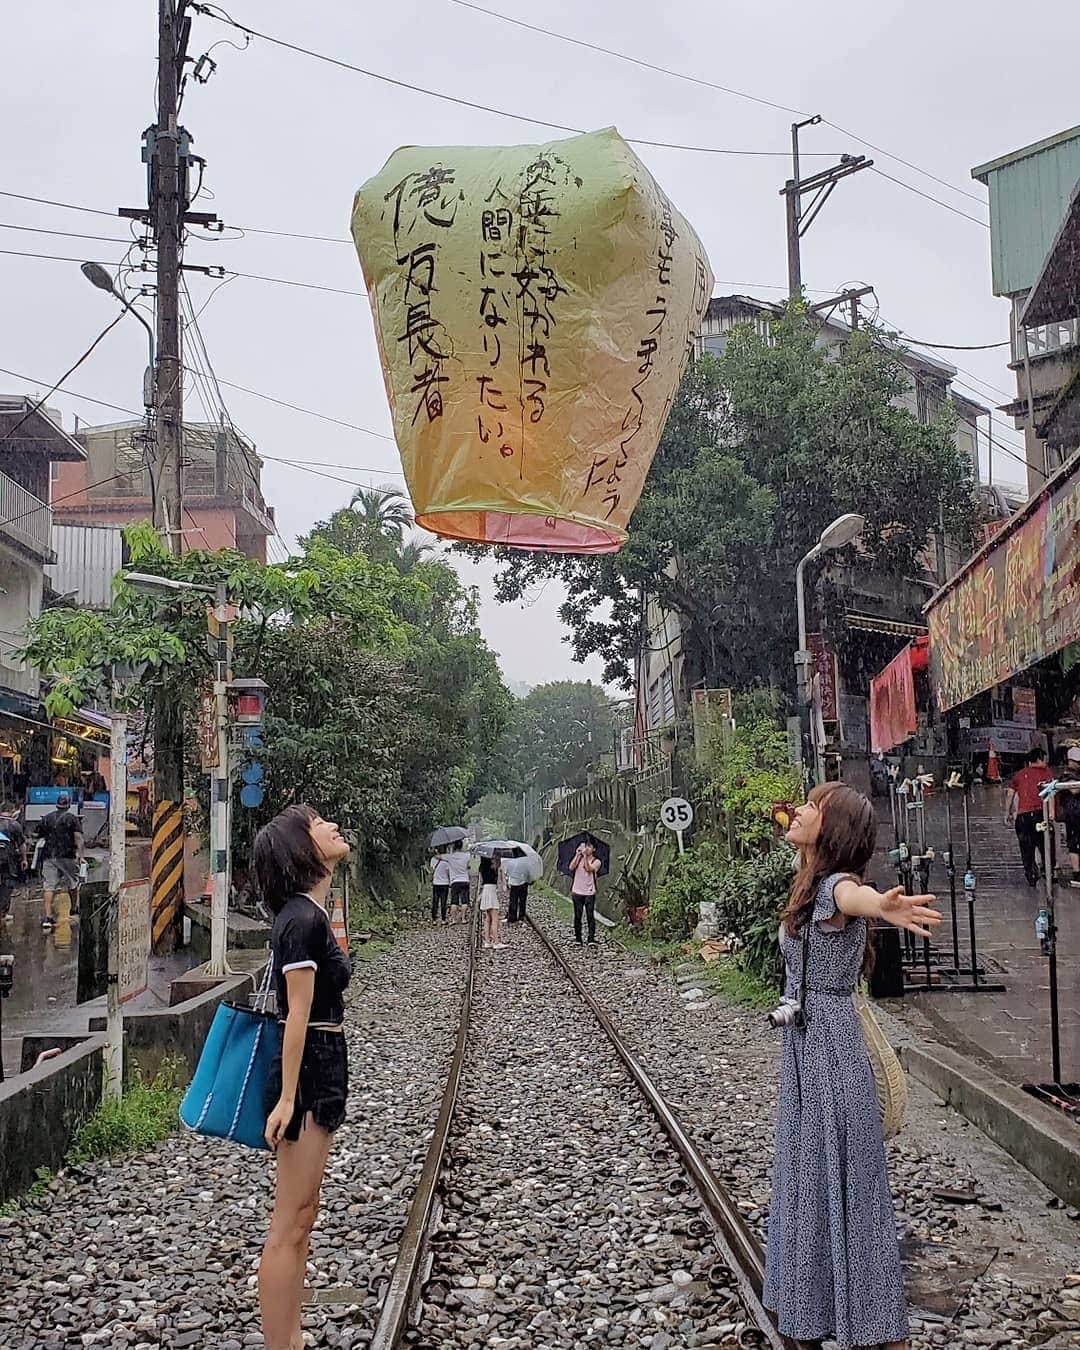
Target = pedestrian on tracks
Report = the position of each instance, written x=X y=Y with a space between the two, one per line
x=832 y=1268
x=517 y=872
x=458 y=861
x=61 y=857
x=1024 y=810
x=583 y=872
x=489 y=903
x=294 y=859
x=440 y=888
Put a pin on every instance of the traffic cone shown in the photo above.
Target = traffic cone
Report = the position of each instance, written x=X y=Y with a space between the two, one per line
x=993 y=773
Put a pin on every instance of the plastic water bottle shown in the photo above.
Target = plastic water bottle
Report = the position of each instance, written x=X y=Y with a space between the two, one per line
x=969 y=881
x=1042 y=926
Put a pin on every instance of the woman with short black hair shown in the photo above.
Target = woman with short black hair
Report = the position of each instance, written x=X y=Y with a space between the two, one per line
x=294 y=860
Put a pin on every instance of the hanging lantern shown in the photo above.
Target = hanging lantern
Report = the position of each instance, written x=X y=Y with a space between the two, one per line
x=535 y=307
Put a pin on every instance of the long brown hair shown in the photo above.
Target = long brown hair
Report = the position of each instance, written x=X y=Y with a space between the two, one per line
x=845 y=844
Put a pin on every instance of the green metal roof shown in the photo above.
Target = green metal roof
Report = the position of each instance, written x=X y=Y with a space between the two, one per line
x=1029 y=191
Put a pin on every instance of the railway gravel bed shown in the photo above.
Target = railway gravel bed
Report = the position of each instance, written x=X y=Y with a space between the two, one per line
x=568 y=1219
x=995 y=1272
x=162 y=1248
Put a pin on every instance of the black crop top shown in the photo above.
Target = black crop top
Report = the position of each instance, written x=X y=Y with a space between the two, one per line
x=302 y=940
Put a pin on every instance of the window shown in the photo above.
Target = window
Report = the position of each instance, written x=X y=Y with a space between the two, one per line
x=1051 y=337
x=716 y=344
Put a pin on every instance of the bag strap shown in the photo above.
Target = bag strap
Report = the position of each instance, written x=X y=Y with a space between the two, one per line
x=262 y=998
x=805 y=963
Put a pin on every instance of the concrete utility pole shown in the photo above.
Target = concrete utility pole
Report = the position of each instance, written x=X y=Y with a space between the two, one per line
x=220 y=789
x=166 y=215
x=114 y=1047
x=821 y=186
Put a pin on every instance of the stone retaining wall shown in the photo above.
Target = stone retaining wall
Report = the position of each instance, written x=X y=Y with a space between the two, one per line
x=40 y=1111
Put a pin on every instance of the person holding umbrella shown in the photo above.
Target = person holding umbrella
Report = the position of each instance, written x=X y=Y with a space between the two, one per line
x=440 y=887
x=583 y=870
x=519 y=872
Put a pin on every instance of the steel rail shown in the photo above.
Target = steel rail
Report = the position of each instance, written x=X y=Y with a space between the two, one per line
x=393 y=1319
x=737 y=1245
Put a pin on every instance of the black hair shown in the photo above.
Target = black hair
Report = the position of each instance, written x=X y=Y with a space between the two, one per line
x=285 y=860
x=456 y=848
x=1037 y=755
x=63 y=799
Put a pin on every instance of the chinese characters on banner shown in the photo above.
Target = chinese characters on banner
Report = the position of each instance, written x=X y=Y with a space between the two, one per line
x=535 y=307
x=823 y=673
x=1017 y=605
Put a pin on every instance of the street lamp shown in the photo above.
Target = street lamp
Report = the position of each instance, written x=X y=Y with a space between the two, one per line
x=220 y=777
x=97 y=276
x=843 y=530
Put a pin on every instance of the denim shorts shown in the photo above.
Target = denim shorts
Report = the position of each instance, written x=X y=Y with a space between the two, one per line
x=322 y=1087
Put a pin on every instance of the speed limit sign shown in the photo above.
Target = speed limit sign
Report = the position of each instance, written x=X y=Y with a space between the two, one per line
x=678 y=815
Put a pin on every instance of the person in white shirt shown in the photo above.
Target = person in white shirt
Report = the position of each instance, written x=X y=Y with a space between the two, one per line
x=516 y=871
x=440 y=889
x=458 y=862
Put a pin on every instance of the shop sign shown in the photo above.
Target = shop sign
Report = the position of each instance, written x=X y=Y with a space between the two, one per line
x=1007 y=738
x=1023 y=702
x=1017 y=605
x=823 y=669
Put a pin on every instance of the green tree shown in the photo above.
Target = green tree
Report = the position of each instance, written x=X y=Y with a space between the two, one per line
x=385 y=705
x=763 y=447
x=497 y=815
x=554 y=736
x=374 y=522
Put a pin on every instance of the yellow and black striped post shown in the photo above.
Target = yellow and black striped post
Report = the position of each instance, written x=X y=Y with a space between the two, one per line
x=166 y=876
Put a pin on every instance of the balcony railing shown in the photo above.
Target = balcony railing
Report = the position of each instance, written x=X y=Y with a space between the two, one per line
x=25 y=518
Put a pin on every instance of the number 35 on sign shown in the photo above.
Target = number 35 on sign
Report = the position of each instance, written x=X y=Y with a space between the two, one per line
x=678 y=815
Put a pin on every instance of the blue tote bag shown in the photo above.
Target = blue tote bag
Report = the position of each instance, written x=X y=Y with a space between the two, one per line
x=225 y=1098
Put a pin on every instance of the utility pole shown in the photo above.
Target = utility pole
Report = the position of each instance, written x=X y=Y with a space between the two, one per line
x=114 y=1041
x=220 y=788
x=820 y=187
x=166 y=152
x=166 y=215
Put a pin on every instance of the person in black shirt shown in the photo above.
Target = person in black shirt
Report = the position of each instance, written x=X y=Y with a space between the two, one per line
x=294 y=859
x=12 y=855
x=61 y=856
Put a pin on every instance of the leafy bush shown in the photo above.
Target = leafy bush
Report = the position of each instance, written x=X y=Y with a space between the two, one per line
x=693 y=876
x=145 y=1114
x=748 y=771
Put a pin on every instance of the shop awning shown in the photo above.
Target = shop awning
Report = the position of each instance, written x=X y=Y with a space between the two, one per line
x=1016 y=602
x=871 y=623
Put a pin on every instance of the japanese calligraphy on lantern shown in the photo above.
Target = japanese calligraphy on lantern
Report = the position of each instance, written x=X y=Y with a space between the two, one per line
x=1017 y=605
x=534 y=308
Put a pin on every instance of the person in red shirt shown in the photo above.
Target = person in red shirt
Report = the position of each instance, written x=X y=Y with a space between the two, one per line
x=1024 y=809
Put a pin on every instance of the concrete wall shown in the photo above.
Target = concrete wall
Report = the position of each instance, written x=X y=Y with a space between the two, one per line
x=155 y=1034
x=40 y=1111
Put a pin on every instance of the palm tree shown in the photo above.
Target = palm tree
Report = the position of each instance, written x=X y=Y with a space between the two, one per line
x=383 y=511
x=415 y=551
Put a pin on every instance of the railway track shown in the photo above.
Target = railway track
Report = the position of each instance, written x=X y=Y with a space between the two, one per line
x=536 y=1220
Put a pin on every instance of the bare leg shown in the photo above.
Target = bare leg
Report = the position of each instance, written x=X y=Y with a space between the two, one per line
x=494 y=927
x=300 y=1168
x=48 y=898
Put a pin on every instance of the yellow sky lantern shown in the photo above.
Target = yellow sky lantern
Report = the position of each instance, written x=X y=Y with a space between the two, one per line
x=535 y=307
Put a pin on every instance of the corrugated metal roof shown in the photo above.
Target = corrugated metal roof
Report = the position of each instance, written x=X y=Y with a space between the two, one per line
x=87 y=559
x=1029 y=191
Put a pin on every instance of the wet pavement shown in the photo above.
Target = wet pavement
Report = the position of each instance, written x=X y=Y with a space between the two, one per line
x=44 y=995
x=1009 y=1031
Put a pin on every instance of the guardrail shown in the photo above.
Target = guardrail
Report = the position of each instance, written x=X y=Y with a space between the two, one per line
x=25 y=518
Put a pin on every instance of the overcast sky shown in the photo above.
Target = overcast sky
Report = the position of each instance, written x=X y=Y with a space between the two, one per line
x=289 y=139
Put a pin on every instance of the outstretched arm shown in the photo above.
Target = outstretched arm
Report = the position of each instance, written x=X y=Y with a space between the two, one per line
x=912 y=912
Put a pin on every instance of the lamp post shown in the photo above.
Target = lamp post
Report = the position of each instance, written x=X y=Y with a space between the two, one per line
x=843 y=530
x=220 y=777
x=97 y=276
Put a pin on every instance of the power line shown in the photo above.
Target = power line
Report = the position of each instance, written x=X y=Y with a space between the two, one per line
x=67 y=234
x=213 y=12
x=956 y=346
x=929 y=196
x=295 y=407
x=633 y=60
x=707 y=84
x=70 y=371
x=67 y=206
x=323 y=464
x=84 y=398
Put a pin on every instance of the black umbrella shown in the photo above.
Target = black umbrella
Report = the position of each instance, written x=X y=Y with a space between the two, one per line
x=447 y=834
x=570 y=846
